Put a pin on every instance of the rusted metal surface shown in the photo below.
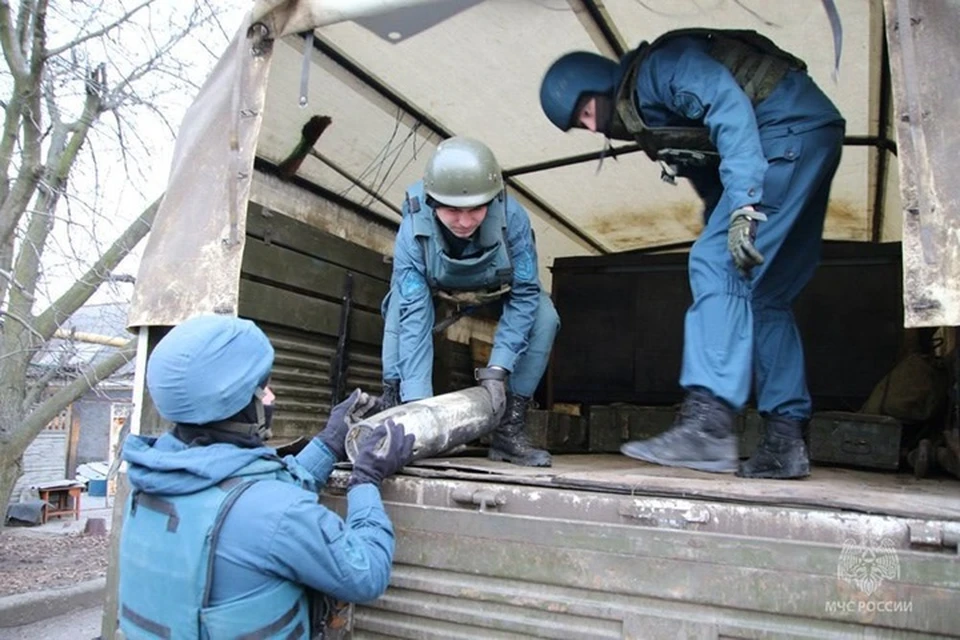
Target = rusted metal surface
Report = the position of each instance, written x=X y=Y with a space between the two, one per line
x=922 y=38
x=492 y=559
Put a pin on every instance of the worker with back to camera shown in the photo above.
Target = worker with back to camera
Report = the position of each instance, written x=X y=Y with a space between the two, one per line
x=222 y=538
x=465 y=241
x=760 y=142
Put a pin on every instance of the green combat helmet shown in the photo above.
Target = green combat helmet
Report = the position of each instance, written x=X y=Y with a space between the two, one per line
x=463 y=173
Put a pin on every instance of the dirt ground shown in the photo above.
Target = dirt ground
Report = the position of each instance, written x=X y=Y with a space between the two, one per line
x=33 y=561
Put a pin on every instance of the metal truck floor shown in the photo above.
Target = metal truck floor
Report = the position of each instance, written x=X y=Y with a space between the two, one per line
x=894 y=494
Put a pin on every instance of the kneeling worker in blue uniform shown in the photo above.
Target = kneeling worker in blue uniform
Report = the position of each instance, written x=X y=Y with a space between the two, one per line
x=465 y=241
x=222 y=538
x=760 y=143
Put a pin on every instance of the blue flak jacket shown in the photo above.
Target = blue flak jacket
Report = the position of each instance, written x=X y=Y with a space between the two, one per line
x=220 y=541
x=503 y=244
x=681 y=84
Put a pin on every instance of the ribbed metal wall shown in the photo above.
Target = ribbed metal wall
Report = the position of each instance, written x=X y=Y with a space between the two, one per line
x=301 y=377
x=293 y=282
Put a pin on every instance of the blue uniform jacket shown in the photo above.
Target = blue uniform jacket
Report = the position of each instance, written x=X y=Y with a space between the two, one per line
x=276 y=531
x=681 y=84
x=409 y=289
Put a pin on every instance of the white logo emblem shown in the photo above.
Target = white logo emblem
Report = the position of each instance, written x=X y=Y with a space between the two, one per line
x=866 y=566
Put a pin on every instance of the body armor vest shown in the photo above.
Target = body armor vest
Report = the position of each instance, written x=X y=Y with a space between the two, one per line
x=758 y=66
x=477 y=279
x=167 y=551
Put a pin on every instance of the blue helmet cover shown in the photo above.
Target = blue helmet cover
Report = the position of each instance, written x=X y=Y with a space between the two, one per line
x=572 y=76
x=208 y=368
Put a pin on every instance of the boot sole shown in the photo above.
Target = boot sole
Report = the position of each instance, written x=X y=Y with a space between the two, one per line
x=710 y=466
x=775 y=475
x=501 y=457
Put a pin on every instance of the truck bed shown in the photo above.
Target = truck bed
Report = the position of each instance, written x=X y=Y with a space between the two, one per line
x=602 y=546
x=893 y=494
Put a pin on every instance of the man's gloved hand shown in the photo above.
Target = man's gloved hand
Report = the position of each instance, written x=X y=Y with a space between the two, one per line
x=384 y=452
x=390 y=397
x=494 y=380
x=741 y=236
x=342 y=417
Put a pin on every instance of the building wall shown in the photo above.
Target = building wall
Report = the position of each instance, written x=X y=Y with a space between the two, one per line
x=92 y=416
x=46 y=458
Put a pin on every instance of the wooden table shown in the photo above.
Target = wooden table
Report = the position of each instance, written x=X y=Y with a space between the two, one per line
x=60 y=498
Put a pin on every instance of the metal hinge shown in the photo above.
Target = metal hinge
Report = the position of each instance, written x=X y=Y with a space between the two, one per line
x=935 y=534
x=484 y=498
x=670 y=518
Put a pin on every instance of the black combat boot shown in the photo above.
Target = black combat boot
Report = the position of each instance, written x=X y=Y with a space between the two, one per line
x=510 y=441
x=781 y=454
x=390 y=396
x=702 y=438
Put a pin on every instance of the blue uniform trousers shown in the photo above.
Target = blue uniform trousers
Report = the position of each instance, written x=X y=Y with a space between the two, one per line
x=742 y=331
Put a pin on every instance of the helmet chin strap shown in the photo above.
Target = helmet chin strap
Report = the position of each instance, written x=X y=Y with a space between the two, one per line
x=260 y=428
x=263 y=427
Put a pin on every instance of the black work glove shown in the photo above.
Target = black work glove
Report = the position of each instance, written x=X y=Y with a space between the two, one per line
x=384 y=452
x=494 y=380
x=389 y=398
x=342 y=417
x=741 y=236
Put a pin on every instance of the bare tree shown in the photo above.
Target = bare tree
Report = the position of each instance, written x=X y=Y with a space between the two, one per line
x=89 y=86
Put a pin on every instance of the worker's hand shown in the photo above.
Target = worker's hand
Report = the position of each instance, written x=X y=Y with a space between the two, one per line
x=741 y=236
x=494 y=380
x=389 y=398
x=342 y=417
x=384 y=452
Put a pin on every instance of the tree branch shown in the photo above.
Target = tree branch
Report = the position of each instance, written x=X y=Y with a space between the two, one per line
x=12 y=113
x=117 y=95
x=6 y=270
x=27 y=9
x=48 y=321
x=39 y=40
x=33 y=424
x=15 y=204
x=40 y=384
x=99 y=32
x=38 y=230
x=28 y=120
x=10 y=44
x=26 y=323
x=92 y=108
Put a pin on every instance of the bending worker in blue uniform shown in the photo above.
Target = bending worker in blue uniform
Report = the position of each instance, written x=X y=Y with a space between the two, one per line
x=467 y=242
x=222 y=538
x=760 y=142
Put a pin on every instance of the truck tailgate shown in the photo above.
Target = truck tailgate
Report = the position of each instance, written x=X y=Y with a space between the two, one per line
x=599 y=546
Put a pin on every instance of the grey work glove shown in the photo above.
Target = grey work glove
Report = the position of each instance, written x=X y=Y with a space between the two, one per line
x=343 y=416
x=384 y=452
x=494 y=380
x=741 y=236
